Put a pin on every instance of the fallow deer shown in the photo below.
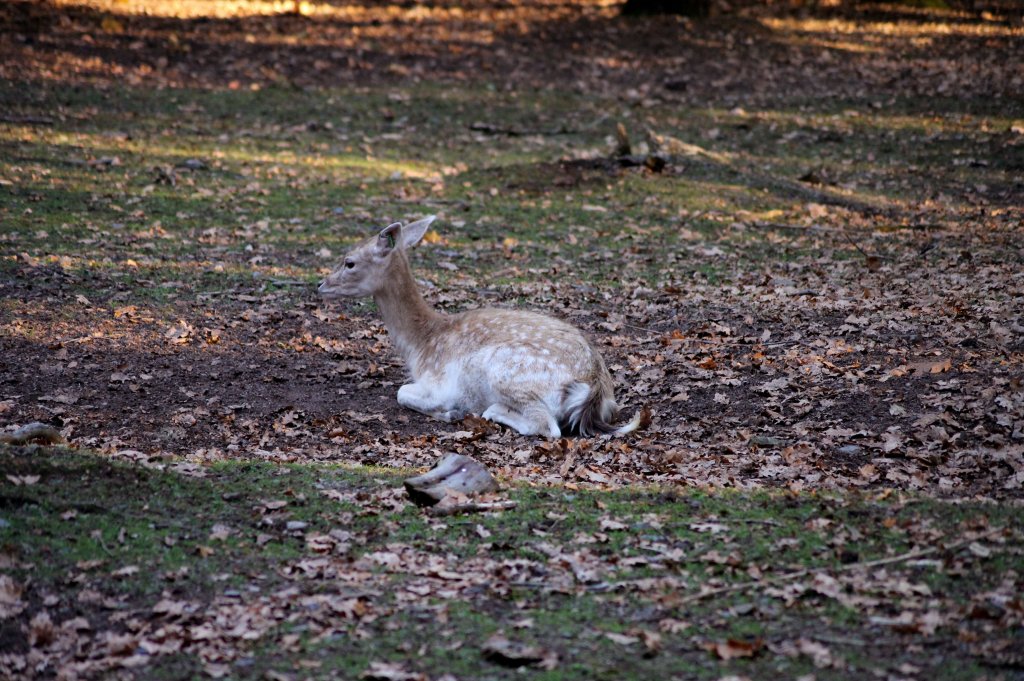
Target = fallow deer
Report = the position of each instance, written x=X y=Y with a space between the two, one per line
x=531 y=372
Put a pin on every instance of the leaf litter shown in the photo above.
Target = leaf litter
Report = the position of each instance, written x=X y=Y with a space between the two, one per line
x=852 y=353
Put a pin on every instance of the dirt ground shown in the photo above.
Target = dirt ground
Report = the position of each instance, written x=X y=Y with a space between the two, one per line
x=915 y=404
x=899 y=364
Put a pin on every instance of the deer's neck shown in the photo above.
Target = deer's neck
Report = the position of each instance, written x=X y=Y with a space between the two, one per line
x=410 y=321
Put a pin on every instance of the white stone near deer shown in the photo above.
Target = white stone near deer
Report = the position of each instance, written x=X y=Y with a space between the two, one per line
x=533 y=373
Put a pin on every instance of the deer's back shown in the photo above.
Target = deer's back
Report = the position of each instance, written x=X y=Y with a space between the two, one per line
x=501 y=341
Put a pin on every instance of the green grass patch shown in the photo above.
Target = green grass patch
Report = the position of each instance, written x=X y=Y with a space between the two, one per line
x=271 y=181
x=127 y=536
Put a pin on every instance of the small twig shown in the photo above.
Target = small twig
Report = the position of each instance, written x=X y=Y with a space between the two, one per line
x=839 y=640
x=471 y=507
x=932 y=243
x=910 y=555
x=855 y=244
x=639 y=328
x=799 y=228
x=489 y=129
x=86 y=339
x=30 y=120
x=461 y=203
x=103 y=545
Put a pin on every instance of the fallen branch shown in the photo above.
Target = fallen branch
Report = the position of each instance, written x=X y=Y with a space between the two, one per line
x=673 y=151
x=471 y=507
x=781 y=184
x=910 y=555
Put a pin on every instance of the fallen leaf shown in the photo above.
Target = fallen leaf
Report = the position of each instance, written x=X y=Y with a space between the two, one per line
x=612 y=525
x=388 y=671
x=819 y=654
x=220 y=532
x=41 y=631
x=979 y=550
x=111 y=25
x=731 y=649
x=673 y=626
x=10 y=597
x=126 y=571
x=170 y=608
x=621 y=639
x=62 y=396
x=23 y=480
x=652 y=641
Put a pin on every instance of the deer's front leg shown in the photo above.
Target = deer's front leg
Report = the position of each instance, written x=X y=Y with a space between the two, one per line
x=422 y=398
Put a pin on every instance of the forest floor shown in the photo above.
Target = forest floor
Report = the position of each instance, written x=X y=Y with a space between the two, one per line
x=816 y=289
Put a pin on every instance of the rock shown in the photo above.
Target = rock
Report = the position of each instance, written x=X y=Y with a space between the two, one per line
x=33 y=432
x=454 y=472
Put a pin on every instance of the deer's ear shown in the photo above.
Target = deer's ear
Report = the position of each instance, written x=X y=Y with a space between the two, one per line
x=389 y=238
x=414 y=231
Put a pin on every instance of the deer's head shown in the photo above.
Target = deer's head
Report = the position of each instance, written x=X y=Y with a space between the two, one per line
x=367 y=268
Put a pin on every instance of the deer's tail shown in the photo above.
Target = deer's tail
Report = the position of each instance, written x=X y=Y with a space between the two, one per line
x=591 y=408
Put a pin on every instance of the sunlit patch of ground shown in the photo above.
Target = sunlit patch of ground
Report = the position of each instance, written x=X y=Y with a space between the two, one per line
x=243 y=45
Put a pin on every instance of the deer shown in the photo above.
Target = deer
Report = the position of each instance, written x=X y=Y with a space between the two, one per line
x=531 y=372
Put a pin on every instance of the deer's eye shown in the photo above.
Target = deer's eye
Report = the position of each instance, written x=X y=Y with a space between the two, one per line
x=349 y=264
